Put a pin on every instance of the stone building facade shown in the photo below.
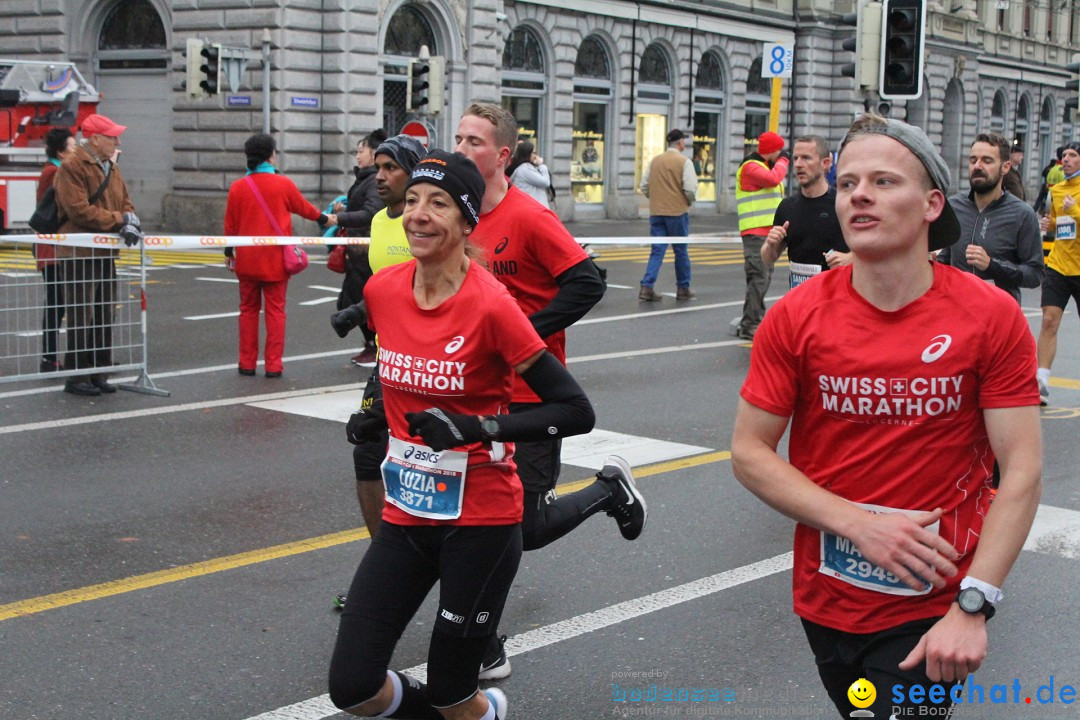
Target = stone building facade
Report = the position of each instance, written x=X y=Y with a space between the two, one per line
x=595 y=84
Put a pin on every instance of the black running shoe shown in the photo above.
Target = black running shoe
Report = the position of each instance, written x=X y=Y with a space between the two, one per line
x=495 y=665
x=629 y=509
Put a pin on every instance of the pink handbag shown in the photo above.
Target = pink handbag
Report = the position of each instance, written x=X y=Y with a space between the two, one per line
x=294 y=256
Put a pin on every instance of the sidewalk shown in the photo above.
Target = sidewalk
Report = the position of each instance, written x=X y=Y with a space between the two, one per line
x=723 y=224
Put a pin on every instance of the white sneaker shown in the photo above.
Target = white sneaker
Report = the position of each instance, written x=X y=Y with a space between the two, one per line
x=497 y=698
x=629 y=509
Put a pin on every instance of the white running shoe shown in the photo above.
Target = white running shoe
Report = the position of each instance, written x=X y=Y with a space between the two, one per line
x=629 y=510
x=497 y=698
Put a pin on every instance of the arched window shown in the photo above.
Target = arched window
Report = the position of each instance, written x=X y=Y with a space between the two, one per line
x=524 y=84
x=997 y=113
x=132 y=24
x=592 y=60
x=407 y=31
x=592 y=93
x=523 y=52
x=710 y=75
x=1046 y=131
x=1023 y=118
x=758 y=100
x=654 y=67
x=708 y=113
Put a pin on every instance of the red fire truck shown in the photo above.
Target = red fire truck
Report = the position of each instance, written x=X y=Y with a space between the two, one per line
x=34 y=97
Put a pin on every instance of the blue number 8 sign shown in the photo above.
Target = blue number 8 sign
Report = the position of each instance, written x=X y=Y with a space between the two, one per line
x=776 y=61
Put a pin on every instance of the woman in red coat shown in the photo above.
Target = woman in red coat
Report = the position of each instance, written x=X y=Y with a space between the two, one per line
x=263 y=203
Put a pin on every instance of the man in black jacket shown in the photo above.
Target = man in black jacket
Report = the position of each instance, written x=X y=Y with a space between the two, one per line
x=999 y=232
x=354 y=220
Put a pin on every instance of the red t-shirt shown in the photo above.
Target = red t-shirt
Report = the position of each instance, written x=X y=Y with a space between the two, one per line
x=244 y=216
x=527 y=248
x=458 y=357
x=887 y=409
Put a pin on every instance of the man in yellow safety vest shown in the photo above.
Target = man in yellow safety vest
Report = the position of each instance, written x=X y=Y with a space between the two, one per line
x=759 y=188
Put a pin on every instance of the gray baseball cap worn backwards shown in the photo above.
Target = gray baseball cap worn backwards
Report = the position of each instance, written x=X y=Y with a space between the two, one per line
x=944 y=231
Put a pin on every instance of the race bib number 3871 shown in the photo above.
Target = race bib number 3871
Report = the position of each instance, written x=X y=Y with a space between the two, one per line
x=423 y=482
x=840 y=559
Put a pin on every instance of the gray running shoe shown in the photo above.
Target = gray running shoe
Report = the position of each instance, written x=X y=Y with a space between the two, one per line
x=629 y=508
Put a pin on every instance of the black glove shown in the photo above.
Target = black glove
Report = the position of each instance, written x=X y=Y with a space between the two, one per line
x=784 y=154
x=130 y=235
x=131 y=218
x=442 y=430
x=345 y=320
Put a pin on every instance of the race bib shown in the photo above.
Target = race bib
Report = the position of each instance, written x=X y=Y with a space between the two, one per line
x=801 y=272
x=1065 y=229
x=423 y=482
x=841 y=560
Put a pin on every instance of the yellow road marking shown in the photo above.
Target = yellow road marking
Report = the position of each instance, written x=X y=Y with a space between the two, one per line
x=31 y=606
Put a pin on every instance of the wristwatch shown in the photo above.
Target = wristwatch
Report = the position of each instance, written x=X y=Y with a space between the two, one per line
x=971 y=600
x=489 y=428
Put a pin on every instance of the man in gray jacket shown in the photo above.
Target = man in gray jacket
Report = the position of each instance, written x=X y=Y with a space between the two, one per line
x=999 y=232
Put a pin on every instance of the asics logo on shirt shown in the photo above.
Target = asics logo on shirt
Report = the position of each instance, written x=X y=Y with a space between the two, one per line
x=502 y=245
x=455 y=344
x=936 y=348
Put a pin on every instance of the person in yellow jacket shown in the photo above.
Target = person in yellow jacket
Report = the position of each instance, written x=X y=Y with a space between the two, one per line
x=759 y=188
x=1062 y=278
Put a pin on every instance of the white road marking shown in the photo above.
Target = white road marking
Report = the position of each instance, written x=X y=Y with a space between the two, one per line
x=590 y=451
x=216 y=279
x=336 y=406
x=321 y=707
x=320 y=301
x=1056 y=531
x=324 y=287
x=185 y=407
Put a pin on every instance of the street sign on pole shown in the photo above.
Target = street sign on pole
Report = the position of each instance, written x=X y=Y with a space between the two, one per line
x=777 y=60
x=417 y=130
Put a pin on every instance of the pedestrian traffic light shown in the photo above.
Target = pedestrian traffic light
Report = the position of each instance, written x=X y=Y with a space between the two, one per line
x=865 y=44
x=194 y=76
x=211 y=68
x=1073 y=101
x=903 y=38
x=417 y=85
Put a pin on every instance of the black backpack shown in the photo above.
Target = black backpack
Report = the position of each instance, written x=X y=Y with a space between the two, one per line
x=46 y=218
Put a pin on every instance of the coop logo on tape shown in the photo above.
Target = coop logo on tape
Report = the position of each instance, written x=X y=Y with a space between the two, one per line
x=159 y=241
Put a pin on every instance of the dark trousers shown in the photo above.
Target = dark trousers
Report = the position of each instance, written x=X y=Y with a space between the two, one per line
x=54 y=310
x=90 y=291
x=843 y=657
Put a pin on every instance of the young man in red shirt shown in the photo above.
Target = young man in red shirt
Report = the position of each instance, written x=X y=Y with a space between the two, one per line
x=555 y=283
x=903 y=380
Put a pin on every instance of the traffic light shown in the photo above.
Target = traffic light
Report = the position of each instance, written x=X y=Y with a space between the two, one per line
x=416 y=86
x=903 y=37
x=194 y=71
x=436 y=83
x=211 y=68
x=1073 y=102
x=425 y=85
x=865 y=44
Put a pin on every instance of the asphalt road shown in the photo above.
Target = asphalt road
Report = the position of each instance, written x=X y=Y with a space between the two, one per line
x=176 y=557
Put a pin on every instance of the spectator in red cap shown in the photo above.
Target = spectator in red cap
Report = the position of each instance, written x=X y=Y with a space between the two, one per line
x=759 y=188
x=93 y=197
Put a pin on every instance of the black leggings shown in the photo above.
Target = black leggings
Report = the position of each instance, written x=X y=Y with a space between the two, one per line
x=54 y=310
x=474 y=566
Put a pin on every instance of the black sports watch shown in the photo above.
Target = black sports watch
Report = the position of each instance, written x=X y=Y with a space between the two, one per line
x=489 y=427
x=971 y=600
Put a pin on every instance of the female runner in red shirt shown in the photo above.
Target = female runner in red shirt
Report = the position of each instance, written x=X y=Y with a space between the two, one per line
x=450 y=339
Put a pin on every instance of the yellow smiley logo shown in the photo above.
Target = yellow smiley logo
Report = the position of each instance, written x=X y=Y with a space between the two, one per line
x=862 y=693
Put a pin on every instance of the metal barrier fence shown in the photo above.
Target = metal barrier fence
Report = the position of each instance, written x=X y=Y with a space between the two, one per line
x=68 y=317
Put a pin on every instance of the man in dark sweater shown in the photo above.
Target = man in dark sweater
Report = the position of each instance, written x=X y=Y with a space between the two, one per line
x=999 y=232
x=805 y=222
